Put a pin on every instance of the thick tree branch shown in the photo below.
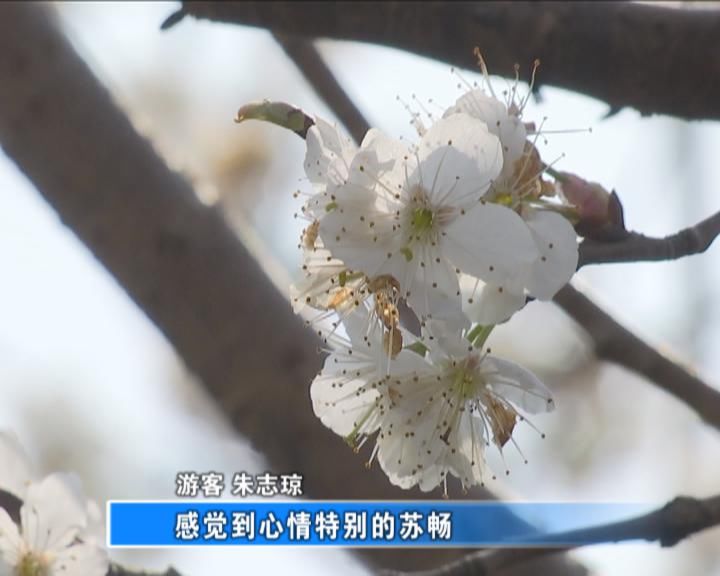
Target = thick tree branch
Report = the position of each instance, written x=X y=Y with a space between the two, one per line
x=677 y=520
x=181 y=264
x=625 y=54
x=636 y=247
x=615 y=343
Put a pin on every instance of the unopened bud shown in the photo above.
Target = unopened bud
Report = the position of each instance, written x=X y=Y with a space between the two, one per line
x=598 y=211
x=278 y=113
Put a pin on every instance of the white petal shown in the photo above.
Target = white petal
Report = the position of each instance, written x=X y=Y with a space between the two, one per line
x=15 y=467
x=435 y=287
x=343 y=404
x=461 y=456
x=328 y=155
x=346 y=394
x=492 y=304
x=491 y=242
x=355 y=232
x=403 y=270
x=378 y=156
x=513 y=135
x=412 y=438
x=408 y=362
x=507 y=127
x=443 y=343
x=479 y=105
x=459 y=159
x=361 y=329
x=53 y=512
x=518 y=385
x=402 y=455
x=390 y=454
x=468 y=464
x=449 y=320
x=11 y=543
x=95 y=529
x=81 y=560
x=556 y=241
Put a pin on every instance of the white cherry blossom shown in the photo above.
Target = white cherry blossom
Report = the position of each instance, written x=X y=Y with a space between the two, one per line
x=327 y=283
x=327 y=158
x=520 y=187
x=433 y=414
x=58 y=533
x=451 y=409
x=351 y=394
x=419 y=215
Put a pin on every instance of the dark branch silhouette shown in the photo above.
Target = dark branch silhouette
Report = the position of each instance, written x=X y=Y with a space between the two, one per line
x=635 y=247
x=615 y=343
x=677 y=520
x=655 y=59
x=117 y=570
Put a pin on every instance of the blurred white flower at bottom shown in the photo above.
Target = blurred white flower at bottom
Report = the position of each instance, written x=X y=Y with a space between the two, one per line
x=58 y=532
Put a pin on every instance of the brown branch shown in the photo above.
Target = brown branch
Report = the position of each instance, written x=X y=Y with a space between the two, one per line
x=622 y=53
x=181 y=264
x=617 y=344
x=11 y=504
x=117 y=570
x=636 y=247
x=677 y=520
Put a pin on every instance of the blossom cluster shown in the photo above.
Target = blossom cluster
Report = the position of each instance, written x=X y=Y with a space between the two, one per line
x=459 y=230
x=58 y=532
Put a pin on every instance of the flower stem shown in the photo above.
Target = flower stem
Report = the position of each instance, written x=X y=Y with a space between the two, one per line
x=479 y=335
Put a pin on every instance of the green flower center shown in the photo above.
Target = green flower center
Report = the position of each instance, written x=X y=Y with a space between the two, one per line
x=422 y=220
x=422 y=227
x=466 y=380
x=31 y=565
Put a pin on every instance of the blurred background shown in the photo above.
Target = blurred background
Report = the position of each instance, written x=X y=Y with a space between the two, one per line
x=89 y=384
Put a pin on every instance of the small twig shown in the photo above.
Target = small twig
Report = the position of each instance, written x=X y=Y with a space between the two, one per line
x=307 y=58
x=637 y=247
x=11 y=504
x=173 y=19
x=677 y=520
x=117 y=570
x=617 y=344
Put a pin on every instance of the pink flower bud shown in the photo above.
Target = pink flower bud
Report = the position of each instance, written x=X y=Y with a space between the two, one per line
x=598 y=210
